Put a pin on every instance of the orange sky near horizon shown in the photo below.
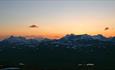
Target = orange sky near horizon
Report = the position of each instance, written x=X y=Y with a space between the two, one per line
x=53 y=35
x=57 y=29
x=56 y=18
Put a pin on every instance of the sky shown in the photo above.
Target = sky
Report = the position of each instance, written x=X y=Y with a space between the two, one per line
x=55 y=18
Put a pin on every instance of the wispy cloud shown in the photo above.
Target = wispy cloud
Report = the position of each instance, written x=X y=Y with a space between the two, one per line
x=33 y=26
x=106 y=28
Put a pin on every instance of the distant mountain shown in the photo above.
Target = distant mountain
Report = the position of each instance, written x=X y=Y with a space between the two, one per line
x=86 y=40
x=99 y=37
x=19 y=41
x=13 y=39
x=85 y=37
x=70 y=40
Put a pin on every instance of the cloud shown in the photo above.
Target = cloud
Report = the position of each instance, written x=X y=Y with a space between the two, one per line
x=106 y=28
x=33 y=26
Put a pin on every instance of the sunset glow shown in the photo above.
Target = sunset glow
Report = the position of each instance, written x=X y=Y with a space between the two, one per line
x=56 y=18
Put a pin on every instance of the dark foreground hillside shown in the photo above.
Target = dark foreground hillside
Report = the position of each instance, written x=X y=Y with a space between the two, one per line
x=58 y=58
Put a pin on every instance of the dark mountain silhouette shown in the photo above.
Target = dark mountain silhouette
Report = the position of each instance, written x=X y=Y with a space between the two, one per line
x=67 y=40
x=73 y=52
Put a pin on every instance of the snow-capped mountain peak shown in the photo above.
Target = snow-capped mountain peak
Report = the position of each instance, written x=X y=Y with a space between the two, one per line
x=99 y=37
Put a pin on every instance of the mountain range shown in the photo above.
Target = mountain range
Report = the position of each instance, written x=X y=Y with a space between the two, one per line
x=70 y=40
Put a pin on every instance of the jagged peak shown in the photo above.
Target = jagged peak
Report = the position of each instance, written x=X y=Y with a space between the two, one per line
x=99 y=35
x=16 y=37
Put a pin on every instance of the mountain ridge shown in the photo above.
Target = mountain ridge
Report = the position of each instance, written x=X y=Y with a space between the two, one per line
x=69 y=40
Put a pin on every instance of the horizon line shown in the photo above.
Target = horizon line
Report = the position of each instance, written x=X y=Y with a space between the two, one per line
x=50 y=37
